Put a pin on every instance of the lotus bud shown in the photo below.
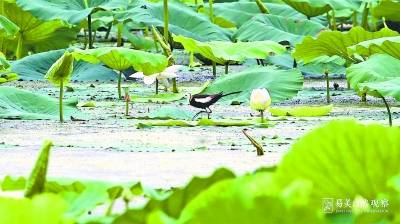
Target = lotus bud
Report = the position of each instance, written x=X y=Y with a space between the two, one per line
x=260 y=101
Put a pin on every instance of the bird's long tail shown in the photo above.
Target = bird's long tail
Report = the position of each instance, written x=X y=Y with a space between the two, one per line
x=231 y=93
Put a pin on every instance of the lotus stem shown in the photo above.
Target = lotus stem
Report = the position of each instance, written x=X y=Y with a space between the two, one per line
x=166 y=22
x=127 y=100
x=155 y=42
x=262 y=116
x=328 y=19
x=174 y=86
x=119 y=85
x=126 y=108
x=214 y=67
x=156 y=86
x=388 y=109
x=328 y=96
x=89 y=23
x=364 y=21
x=108 y=31
x=364 y=97
x=333 y=17
x=384 y=22
x=110 y=208
x=61 y=101
x=18 y=53
x=226 y=67
x=191 y=59
x=120 y=26
x=210 y=2
x=262 y=7
x=167 y=51
x=85 y=44
x=354 y=18
x=259 y=148
x=157 y=37
x=94 y=36
x=146 y=31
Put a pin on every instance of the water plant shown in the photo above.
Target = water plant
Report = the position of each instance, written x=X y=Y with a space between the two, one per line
x=59 y=75
x=123 y=58
x=260 y=100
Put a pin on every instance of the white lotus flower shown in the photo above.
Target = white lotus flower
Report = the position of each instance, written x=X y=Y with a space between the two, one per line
x=260 y=99
x=162 y=77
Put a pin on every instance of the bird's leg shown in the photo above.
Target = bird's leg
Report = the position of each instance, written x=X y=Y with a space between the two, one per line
x=198 y=114
x=208 y=112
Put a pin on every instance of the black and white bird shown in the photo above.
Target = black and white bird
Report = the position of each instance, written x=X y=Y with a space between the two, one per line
x=204 y=101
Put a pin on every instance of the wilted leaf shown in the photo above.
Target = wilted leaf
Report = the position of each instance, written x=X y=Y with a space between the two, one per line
x=61 y=70
x=36 y=182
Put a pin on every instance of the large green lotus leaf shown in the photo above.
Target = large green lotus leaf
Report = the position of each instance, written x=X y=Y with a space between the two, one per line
x=388 y=9
x=356 y=160
x=238 y=13
x=312 y=8
x=281 y=84
x=377 y=68
x=34 y=67
x=4 y=64
x=301 y=111
x=139 y=42
x=174 y=203
x=277 y=28
x=94 y=194
x=220 y=51
x=182 y=21
x=72 y=12
x=46 y=208
x=170 y=112
x=124 y=58
x=7 y=28
x=252 y=199
x=330 y=43
x=388 y=88
x=315 y=67
x=384 y=45
x=20 y=104
x=35 y=35
x=325 y=64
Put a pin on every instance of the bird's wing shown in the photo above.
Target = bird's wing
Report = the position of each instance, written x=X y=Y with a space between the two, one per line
x=200 y=96
x=203 y=100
